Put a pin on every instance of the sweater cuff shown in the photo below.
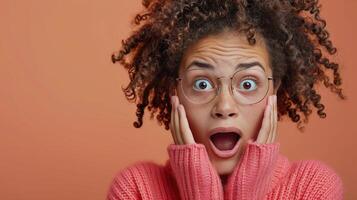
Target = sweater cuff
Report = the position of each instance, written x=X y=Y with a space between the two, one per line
x=193 y=171
x=253 y=175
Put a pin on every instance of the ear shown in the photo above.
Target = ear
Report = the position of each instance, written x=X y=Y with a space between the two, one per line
x=277 y=82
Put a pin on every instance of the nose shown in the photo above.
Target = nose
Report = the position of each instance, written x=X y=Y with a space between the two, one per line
x=224 y=106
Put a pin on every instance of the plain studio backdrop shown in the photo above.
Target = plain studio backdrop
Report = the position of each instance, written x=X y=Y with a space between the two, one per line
x=66 y=127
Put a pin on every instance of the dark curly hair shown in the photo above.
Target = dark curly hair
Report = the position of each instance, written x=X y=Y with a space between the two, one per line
x=295 y=34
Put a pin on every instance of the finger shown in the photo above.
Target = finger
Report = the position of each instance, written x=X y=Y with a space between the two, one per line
x=172 y=127
x=275 y=131
x=270 y=137
x=177 y=122
x=276 y=119
x=184 y=126
x=264 y=130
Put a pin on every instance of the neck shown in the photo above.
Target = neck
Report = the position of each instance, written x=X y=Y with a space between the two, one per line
x=224 y=179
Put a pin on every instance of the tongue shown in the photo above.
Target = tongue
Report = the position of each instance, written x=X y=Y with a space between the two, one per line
x=224 y=141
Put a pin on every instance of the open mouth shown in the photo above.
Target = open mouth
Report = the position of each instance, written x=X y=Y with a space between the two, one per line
x=225 y=141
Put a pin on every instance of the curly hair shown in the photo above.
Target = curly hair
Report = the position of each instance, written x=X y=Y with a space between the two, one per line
x=297 y=41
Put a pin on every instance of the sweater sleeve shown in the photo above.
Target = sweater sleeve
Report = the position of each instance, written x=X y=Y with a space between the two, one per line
x=332 y=187
x=263 y=174
x=254 y=174
x=123 y=186
x=194 y=174
x=143 y=181
x=309 y=179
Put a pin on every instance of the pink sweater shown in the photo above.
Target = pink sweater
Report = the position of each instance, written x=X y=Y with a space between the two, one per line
x=262 y=173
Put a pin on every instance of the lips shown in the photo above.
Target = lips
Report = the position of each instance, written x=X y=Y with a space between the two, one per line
x=225 y=141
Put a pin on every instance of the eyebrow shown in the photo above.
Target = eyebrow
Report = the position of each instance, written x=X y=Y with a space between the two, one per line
x=239 y=66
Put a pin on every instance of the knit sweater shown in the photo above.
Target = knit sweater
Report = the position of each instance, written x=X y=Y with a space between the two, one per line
x=261 y=173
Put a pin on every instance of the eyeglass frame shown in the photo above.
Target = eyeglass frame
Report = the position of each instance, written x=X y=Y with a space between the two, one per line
x=231 y=88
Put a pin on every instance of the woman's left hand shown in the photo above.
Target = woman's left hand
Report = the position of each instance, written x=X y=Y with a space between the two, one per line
x=252 y=177
x=268 y=130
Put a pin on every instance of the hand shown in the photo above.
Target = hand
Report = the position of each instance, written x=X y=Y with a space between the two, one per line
x=255 y=168
x=179 y=126
x=196 y=178
x=267 y=133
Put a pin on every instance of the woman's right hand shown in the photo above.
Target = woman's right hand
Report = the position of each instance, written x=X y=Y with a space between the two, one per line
x=179 y=126
x=195 y=176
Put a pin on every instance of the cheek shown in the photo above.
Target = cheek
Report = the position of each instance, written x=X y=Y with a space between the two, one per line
x=196 y=116
x=193 y=113
x=260 y=108
x=254 y=115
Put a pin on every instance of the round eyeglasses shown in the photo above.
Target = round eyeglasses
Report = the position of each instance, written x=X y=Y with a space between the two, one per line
x=247 y=86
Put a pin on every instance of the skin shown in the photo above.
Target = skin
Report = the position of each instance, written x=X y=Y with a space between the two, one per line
x=190 y=123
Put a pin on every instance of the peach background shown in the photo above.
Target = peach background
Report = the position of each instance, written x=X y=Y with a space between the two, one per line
x=66 y=128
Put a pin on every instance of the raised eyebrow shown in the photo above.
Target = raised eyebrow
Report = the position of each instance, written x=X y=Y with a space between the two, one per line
x=249 y=65
x=200 y=65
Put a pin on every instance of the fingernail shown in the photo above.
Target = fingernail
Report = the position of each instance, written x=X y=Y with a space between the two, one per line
x=179 y=107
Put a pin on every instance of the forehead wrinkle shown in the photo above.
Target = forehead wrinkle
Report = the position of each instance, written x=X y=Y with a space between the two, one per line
x=225 y=50
x=221 y=47
x=219 y=51
x=229 y=54
x=218 y=56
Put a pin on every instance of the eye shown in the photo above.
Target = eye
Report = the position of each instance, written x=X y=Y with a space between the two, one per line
x=202 y=84
x=248 y=85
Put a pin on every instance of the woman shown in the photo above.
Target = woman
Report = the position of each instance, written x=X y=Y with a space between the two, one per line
x=219 y=74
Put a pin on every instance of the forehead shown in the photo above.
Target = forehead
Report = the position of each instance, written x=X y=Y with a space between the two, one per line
x=226 y=51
